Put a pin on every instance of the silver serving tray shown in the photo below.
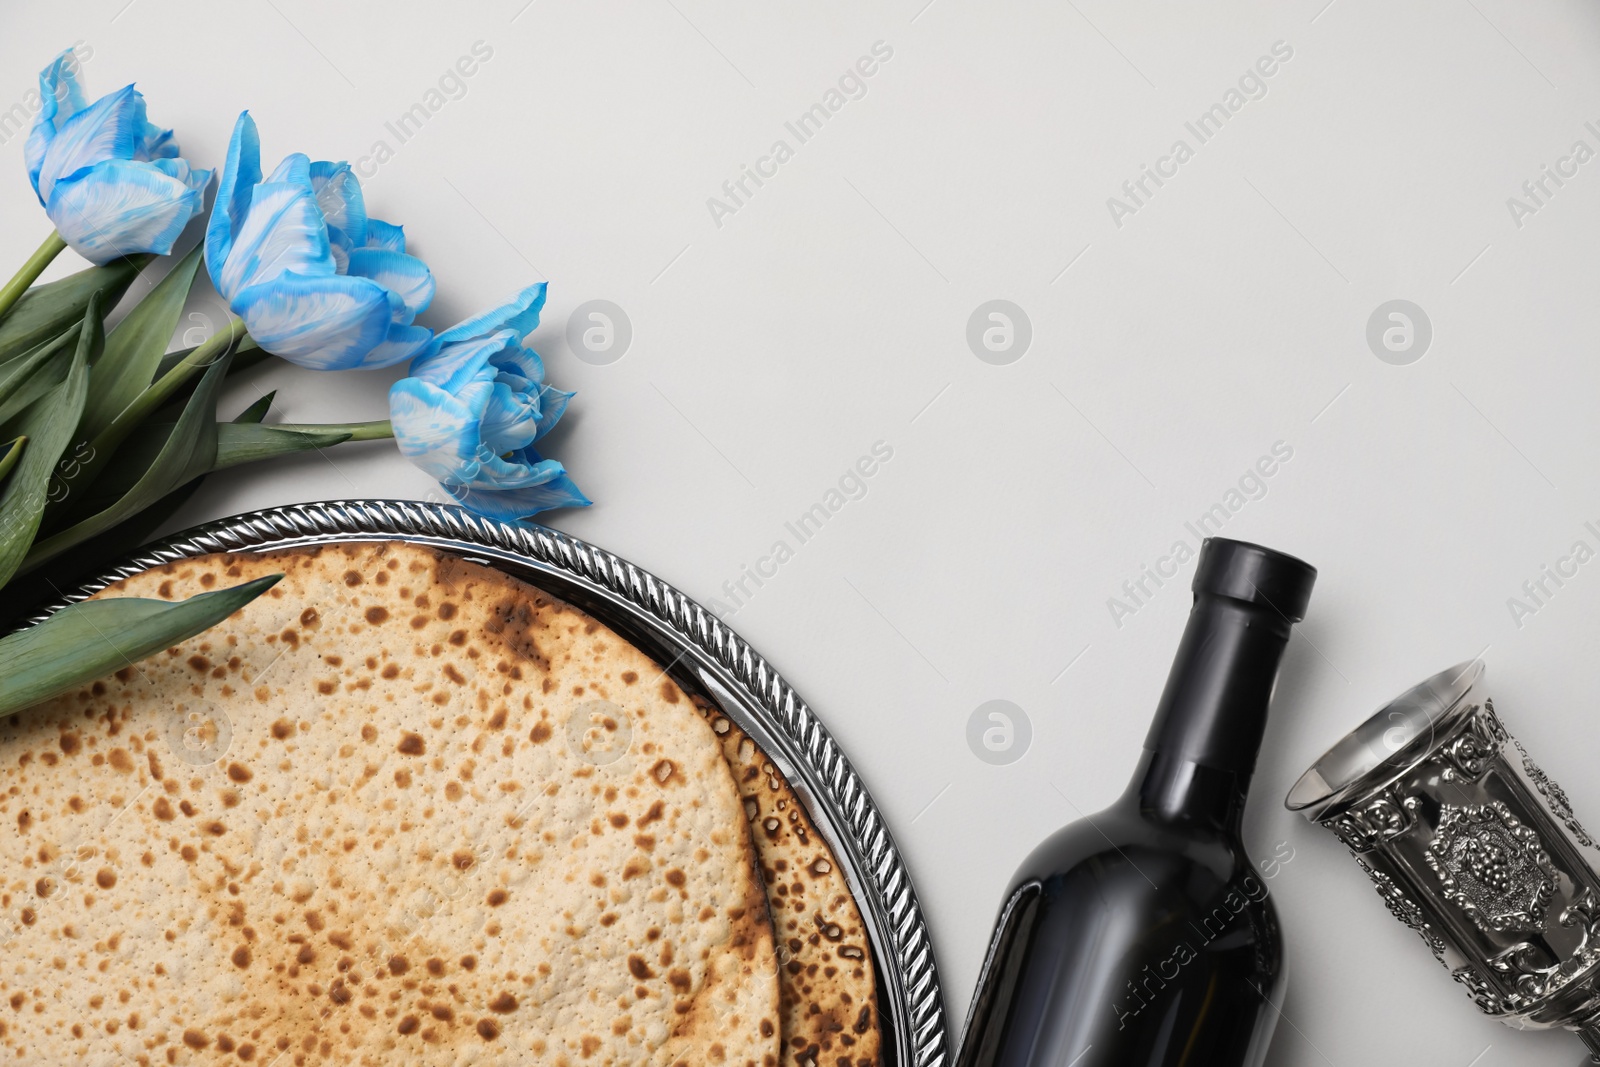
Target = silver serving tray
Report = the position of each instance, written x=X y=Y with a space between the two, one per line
x=702 y=655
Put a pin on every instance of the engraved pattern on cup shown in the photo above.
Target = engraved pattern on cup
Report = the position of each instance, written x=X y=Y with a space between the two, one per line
x=1492 y=866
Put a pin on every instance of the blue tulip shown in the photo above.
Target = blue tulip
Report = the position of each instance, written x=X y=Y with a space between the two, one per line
x=470 y=413
x=111 y=182
x=314 y=279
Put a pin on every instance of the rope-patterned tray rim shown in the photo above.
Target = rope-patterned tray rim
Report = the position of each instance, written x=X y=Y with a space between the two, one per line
x=918 y=1029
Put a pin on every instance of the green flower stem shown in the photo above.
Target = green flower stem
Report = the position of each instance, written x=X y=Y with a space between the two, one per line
x=358 y=431
x=104 y=445
x=13 y=454
x=30 y=271
x=152 y=398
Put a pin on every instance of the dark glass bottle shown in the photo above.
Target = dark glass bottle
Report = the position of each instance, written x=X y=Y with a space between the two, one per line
x=1143 y=936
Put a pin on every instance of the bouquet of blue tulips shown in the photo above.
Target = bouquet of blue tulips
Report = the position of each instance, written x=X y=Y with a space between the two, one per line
x=103 y=433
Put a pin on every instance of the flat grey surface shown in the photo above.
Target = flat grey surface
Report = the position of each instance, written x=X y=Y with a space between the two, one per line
x=1175 y=340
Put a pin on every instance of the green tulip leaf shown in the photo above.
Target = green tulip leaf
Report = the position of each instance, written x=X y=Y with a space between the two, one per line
x=133 y=457
x=248 y=442
x=88 y=558
x=237 y=443
x=136 y=454
x=135 y=348
x=257 y=411
x=246 y=354
x=94 y=638
x=166 y=460
x=13 y=453
x=48 y=424
x=46 y=310
x=33 y=374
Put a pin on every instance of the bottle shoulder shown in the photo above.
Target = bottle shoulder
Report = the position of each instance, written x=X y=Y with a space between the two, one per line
x=1116 y=846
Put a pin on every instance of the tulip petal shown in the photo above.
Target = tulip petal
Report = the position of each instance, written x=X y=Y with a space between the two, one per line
x=106 y=129
x=293 y=169
x=153 y=141
x=61 y=97
x=195 y=178
x=515 y=382
x=339 y=196
x=282 y=232
x=401 y=344
x=519 y=313
x=119 y=207
x=552 y=405
x=453 y=366
x=326 y=322
x=387 y=235
x=405 y=276
x=434 y=429
x=240 y=175
x=511 y=420
x=475 y=395
x=513 y=505
x=60 y=92
x=498 y=472
x=339 y=246
x=150 y=142
x=521 y=361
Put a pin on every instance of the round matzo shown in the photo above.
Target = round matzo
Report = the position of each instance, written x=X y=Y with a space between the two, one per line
x=402 y=808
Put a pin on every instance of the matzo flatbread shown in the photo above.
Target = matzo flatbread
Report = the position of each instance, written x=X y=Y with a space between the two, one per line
x=401 y=809
x=827 y=991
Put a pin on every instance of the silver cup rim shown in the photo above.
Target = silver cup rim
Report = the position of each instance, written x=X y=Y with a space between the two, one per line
x=1394 y=739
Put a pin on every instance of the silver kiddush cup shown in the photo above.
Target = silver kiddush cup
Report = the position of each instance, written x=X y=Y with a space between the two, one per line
x=1472 y=846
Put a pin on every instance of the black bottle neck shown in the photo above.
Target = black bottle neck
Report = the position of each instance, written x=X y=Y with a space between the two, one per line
x=1184 y=794
x=1202 y=746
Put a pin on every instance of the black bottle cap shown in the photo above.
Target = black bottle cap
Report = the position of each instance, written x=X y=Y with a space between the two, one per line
x=1255 y=575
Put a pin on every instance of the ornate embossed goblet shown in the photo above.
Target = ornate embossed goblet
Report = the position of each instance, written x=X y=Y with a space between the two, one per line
x=1472 y=846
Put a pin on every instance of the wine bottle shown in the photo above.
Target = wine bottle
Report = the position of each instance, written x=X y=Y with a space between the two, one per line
x=1143 y=936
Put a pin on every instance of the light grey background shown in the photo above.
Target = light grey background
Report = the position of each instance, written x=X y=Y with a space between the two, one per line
x=830 y=312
